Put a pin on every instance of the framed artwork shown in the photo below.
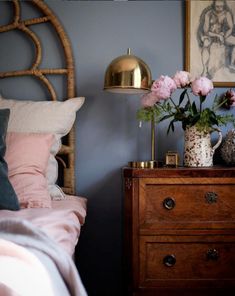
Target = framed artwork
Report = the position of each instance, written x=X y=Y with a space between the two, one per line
x=210 y=40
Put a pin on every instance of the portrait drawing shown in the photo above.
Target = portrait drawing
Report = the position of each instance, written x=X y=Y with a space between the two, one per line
x=210 y=40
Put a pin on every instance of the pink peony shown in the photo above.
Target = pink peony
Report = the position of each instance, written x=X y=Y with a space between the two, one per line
x=202 y=86
x=163 y=87
x=182 y=78
x=149 y=100
x=230 y=96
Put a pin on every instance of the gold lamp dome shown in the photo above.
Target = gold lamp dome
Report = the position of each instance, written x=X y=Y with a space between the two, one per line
x=128 y=74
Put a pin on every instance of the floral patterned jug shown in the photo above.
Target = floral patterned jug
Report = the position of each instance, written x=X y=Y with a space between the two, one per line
x=198 y=151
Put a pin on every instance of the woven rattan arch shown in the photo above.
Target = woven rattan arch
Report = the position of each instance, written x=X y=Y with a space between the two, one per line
x=66 y=157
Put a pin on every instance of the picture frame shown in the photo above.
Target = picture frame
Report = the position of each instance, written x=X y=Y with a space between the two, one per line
x=172 y=159
x=210 y=40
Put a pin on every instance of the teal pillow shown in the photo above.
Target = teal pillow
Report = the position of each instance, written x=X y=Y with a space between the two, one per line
x=8 y=198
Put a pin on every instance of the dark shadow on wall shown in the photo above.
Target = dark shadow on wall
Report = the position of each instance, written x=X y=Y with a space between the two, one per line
x=99 y=251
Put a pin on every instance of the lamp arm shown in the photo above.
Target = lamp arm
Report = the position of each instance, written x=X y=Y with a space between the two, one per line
x=153 y=146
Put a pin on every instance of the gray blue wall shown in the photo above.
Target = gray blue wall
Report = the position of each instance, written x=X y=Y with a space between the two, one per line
x=108 y=135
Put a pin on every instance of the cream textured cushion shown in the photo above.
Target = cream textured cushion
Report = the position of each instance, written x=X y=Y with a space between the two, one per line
x=44 y=117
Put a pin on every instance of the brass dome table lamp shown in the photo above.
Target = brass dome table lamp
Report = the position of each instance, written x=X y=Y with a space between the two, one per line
x=128 y=74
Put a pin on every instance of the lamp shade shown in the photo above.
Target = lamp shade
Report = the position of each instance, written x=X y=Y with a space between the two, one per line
x=128 y=74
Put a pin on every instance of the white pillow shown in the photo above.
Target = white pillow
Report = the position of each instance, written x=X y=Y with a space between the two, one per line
x=44 y=117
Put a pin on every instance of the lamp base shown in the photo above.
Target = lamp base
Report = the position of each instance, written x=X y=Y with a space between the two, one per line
x=150 y=164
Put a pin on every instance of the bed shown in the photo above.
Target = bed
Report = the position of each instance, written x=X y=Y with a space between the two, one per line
x=40 y=215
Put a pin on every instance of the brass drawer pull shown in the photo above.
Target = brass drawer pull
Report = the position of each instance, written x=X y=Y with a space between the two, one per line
x=169 y=203
x=212 y=254
x=169 y=260
x=211 y=197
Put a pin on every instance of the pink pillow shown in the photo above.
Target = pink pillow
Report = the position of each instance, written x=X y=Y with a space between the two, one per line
x=27 y=156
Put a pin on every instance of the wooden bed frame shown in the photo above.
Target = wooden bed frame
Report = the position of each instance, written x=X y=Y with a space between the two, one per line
x=66 y=155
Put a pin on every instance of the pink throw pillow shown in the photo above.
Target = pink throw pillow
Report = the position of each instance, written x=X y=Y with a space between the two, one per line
x=27 y=156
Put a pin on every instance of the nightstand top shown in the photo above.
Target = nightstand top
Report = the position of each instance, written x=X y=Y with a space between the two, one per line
x=210 y=172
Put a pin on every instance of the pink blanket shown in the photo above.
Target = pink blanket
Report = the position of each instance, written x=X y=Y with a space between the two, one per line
x=33 y=264
x=62 y=222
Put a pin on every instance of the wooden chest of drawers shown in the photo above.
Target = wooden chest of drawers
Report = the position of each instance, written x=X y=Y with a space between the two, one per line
x=180 y=231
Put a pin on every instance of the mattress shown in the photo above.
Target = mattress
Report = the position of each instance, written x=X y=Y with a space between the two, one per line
x=62 y=222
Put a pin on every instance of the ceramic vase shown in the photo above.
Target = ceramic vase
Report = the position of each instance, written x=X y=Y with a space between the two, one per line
x=198 y=150
x=228 y=148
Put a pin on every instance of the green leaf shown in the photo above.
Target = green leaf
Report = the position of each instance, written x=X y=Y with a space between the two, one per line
x=179 y=116
x=168 y=107
x=194 y=108
x=165 y=117
x=182 y=97
x=186 y=107
x=195 y=119
x=171 y=126
x=202 y=99
x=213 y=120
x=145 y=114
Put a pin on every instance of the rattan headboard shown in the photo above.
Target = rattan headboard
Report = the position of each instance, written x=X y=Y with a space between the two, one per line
x=66 y=154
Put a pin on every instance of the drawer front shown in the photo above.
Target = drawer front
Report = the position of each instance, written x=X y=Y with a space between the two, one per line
x=186 y=261
x=164 y=206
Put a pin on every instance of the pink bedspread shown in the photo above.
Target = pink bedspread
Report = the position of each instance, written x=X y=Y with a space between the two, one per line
x=31 y=263
x=62 y=222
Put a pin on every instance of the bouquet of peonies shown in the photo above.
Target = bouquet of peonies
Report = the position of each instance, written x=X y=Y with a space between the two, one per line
x=158 y=105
